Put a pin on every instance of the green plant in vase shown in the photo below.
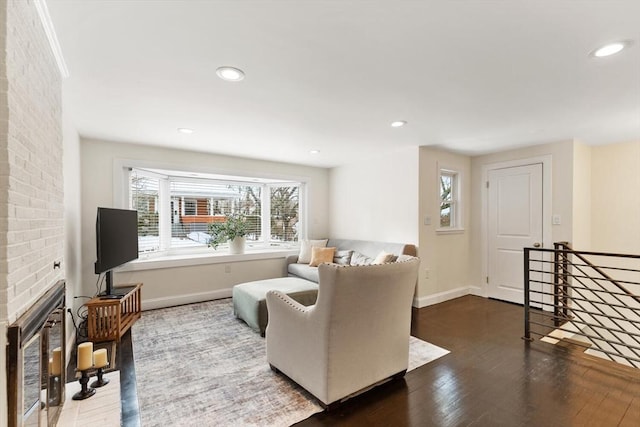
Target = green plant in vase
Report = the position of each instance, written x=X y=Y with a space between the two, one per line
x=232 y=230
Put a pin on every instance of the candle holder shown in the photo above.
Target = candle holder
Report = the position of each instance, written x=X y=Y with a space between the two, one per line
x=54 y=390
x=100 y=382
x=86 y=391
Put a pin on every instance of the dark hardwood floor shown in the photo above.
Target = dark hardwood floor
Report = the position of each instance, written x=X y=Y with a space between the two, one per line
x=491 y=378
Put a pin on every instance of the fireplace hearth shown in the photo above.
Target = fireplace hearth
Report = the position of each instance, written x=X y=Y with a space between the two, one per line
x=36 y=362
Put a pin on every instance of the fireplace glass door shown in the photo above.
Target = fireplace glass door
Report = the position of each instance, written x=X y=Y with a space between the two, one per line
x=36 y=362
x=31 y=374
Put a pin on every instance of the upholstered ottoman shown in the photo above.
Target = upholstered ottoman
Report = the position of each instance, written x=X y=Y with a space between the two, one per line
x=249 y=299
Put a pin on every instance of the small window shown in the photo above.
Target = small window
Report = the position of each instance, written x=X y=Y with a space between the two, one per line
x=190 y=207
x=449 y=202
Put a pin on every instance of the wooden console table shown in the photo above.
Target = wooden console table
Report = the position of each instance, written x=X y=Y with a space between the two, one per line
x=109 y=319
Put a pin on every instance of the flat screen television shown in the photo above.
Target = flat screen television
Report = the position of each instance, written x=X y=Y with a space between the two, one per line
x=116 y=242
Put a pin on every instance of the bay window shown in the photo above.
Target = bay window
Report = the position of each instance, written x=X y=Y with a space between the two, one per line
x=176 y=208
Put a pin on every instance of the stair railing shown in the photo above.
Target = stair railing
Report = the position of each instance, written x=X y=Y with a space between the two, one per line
x=578 y=299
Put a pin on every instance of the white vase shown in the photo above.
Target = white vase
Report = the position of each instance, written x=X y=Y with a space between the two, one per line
x=236 y=246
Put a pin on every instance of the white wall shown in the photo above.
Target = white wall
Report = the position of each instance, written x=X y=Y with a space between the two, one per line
x=615 y=199
x=376 y=198
x=582 y=190
x=72 y=210
x=169 y=286
x=561 y=204
x=444 y=270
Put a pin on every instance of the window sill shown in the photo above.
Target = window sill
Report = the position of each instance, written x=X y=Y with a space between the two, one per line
x=450 y=230
x=210 y=257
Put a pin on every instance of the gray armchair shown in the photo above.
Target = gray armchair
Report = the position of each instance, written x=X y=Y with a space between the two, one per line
x=356 y=335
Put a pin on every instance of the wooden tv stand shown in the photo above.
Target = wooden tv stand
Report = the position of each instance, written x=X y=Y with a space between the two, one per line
x=109 y=318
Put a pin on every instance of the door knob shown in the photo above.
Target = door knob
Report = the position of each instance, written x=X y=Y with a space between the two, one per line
x=536 y=245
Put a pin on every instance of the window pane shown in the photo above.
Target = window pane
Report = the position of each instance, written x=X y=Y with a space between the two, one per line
x=284 y=214
x=198 y=203
x=445 y=215
x=447 y=199
x=249 y=203
x=446 y=182
x=144 y=199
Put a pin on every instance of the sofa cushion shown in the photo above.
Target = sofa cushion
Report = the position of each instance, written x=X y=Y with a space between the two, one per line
x=305 y=249
x=321 y=255
x=403 y=257
x=342 y=257
x=359 y=259
x=371 y=248
x=304 y=271
x=383 y=258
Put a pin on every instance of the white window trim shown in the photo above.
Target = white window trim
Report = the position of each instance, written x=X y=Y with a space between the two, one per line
x=458 y=227
x=204 y=255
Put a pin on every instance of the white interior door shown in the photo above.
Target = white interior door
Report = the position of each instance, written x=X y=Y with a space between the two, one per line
x=514 y=222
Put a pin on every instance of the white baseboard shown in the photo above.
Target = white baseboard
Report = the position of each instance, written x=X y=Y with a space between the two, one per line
x=153 y=303
x=442 y=296
x=478 y=291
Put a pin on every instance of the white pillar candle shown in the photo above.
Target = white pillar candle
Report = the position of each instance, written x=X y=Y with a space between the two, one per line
x=85 y=356
x=55 y=367
x=100 y=358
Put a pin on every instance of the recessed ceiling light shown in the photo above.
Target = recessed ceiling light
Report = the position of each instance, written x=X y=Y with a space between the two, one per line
x=185 y=130
x=314 y=152
x=230 y=74
x=610 y=49
x=398 y=123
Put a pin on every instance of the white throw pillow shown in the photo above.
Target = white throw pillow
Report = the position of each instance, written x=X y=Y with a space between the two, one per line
x=304 y=257
x=342 y=257
x=359 y=259
x=383 y=258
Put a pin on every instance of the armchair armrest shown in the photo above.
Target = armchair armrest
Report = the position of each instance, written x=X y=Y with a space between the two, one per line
x=280 y=301
x=295 y=340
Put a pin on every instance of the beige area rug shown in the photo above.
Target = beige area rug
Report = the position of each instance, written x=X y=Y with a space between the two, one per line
x=197 y=365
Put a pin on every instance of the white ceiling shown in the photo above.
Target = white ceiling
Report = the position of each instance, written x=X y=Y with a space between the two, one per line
x=471 y=76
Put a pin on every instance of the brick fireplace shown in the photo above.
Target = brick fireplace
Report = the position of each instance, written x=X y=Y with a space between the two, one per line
x=32 y=209
x=36 y=362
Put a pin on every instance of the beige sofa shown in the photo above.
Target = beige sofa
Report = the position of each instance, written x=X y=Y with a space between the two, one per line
x=301 y=283
x=356 y=335
x=362 y=249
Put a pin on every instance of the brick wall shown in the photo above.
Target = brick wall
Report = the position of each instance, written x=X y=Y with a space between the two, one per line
x=31 y=183
x=4 y=168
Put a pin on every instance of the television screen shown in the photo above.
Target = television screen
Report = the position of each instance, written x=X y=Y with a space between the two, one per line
x=116 y=238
